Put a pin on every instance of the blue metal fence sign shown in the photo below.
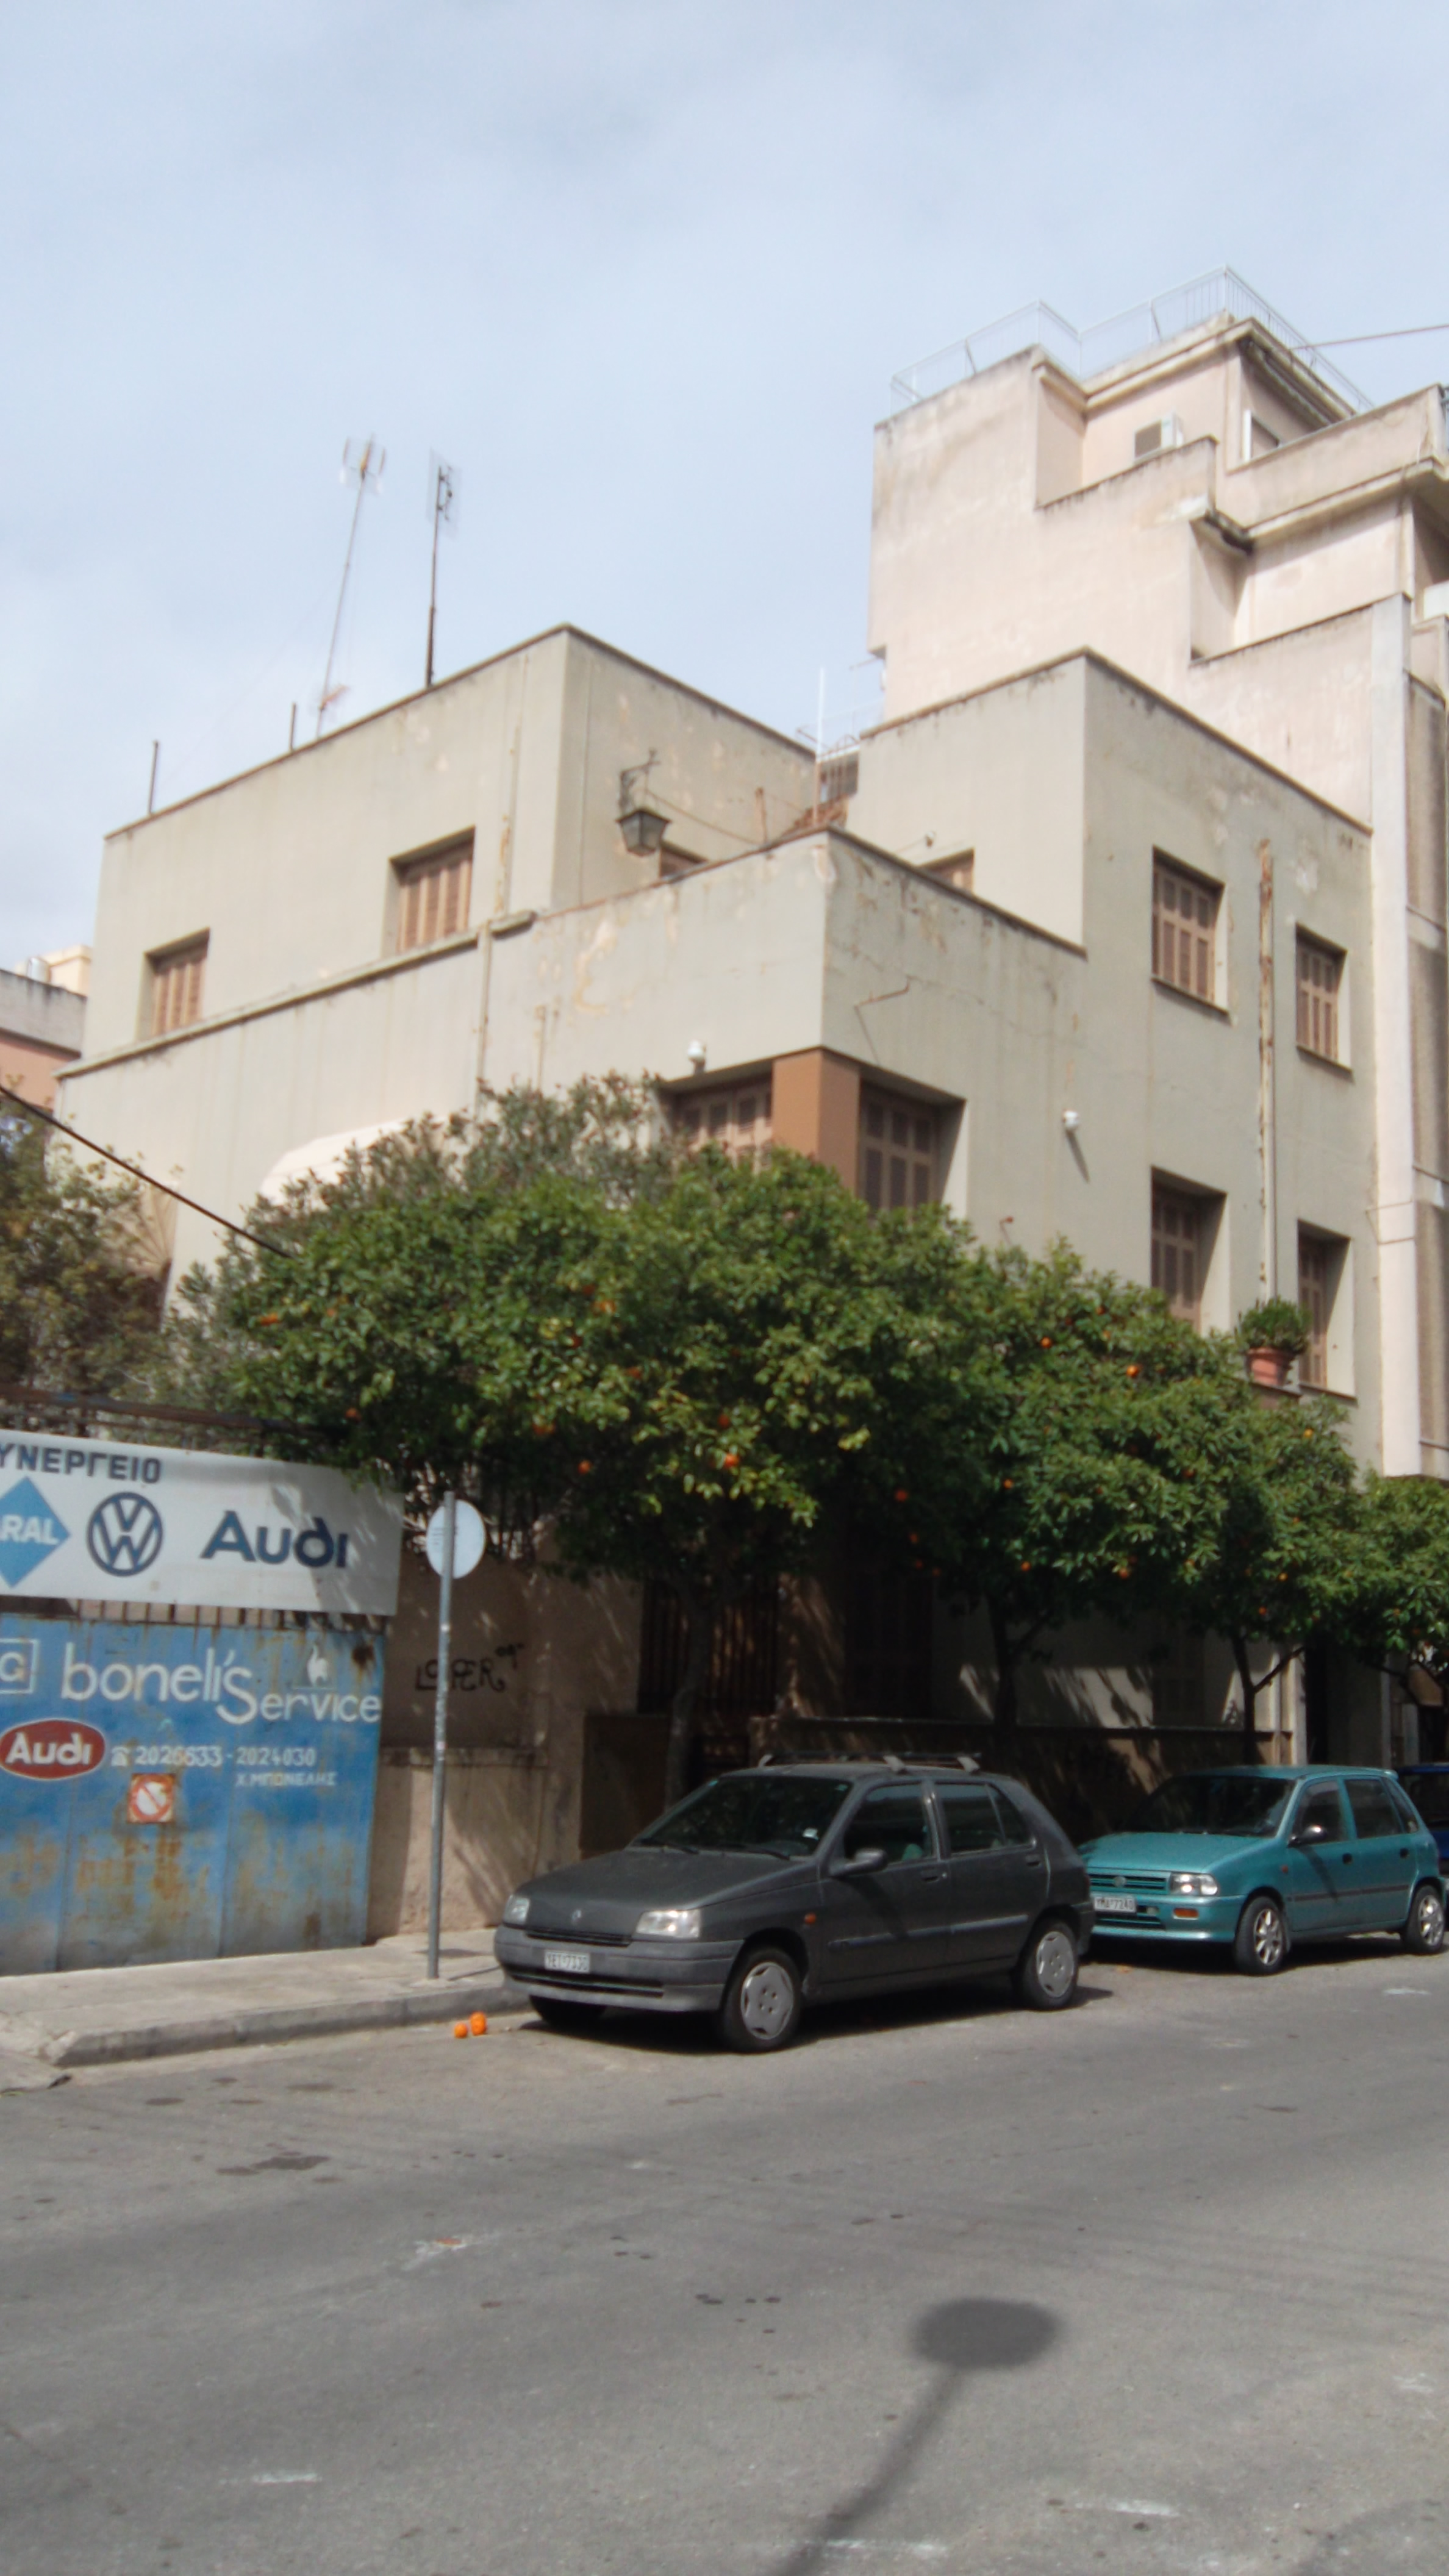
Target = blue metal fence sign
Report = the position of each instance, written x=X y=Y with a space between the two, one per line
x=182 y=1792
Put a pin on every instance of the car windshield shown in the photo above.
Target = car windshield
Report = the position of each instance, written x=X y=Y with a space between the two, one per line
x=1212 y=1802
x=1429 y=1791
x=753 y=1811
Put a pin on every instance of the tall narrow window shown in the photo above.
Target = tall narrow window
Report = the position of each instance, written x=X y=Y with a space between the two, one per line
x=433 y=894
x=177 y=977
x=1320 y=972
x=897 y=1152
x=1184 y=931
x=733 y=1115
x=1315 y=1283
x=1177 y=1251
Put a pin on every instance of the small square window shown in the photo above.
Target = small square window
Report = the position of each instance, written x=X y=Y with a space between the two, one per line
x=1184 y=930
x=433 y=894
x=178 y=976
x=1320 y=974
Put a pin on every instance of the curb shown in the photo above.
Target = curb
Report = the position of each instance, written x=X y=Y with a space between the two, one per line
x=269 y=2023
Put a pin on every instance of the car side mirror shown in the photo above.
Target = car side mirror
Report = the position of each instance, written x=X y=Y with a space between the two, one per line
x=861 y=1864
x=1311 y=1834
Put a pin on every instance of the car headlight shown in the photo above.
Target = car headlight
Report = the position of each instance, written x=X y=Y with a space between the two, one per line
x=1191 y=1882
x=516 y=1910
x=670 y=1923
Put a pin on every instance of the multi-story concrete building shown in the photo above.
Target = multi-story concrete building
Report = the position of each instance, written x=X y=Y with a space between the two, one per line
x=1126 y=924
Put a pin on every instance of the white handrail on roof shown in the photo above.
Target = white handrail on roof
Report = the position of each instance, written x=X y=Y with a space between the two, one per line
x=1122 y=335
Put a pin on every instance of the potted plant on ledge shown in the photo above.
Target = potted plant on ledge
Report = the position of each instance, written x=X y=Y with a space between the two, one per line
x=1273 y=1336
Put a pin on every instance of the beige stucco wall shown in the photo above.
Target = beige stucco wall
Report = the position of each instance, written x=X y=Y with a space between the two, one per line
x=532 y=1656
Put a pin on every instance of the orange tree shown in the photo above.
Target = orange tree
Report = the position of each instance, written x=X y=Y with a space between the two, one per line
x=753 y=1360
x=1083 y=1497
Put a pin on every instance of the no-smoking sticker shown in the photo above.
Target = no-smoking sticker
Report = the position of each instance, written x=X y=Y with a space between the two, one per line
x=151 y=1797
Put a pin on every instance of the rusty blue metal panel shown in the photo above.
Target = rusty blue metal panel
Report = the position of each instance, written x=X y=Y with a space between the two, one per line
x=182 y=1792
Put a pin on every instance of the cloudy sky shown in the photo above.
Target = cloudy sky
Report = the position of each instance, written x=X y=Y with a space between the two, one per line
x=642 y=270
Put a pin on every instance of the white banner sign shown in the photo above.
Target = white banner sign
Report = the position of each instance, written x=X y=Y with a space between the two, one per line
x=87 y=1520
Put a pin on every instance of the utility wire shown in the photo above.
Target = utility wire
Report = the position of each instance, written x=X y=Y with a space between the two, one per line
x=30 y=1110
x=1416 y=331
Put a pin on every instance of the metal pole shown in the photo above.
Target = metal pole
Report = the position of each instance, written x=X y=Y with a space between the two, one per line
x=151 y=790
x=433 y=584
x=440 y=1731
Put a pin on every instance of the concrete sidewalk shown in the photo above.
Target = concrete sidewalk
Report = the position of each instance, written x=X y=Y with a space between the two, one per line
x=95 y=2016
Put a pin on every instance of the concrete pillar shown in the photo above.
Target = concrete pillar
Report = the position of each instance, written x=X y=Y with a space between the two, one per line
x=815 y=1108
x=1394 y=1212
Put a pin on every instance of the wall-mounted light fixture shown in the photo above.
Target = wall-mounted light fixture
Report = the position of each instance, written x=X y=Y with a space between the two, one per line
x=1071 y=1120
x=697 y=1053
x=642 y=827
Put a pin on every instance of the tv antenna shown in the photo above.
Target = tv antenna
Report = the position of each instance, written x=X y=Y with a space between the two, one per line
x=442 y=504
x=364 y=462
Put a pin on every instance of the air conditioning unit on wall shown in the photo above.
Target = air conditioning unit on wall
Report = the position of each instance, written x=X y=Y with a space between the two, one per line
x=1154 y=435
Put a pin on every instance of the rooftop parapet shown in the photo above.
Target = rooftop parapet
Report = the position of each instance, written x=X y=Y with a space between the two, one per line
x=1219 y=296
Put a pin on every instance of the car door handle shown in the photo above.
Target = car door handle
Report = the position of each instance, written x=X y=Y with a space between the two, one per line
x=930 y=1876
x=1348 y=1860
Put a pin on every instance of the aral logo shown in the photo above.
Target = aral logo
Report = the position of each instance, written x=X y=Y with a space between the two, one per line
x=124 y=1534
x=51 y=1748
x=29 y=1531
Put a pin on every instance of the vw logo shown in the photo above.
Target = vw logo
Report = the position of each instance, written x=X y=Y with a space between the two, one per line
x=124 y=1534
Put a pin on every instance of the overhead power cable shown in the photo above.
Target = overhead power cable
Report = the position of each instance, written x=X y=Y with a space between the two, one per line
x=30 y=1109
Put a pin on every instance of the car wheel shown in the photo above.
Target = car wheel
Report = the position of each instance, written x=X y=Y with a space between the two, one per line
x=1046 y=1973
x=1424 y=1930
x=1261 y=1946
x=560 y=2012
x=762 y=2005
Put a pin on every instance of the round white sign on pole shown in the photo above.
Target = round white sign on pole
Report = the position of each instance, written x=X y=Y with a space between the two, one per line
x=468 y=1537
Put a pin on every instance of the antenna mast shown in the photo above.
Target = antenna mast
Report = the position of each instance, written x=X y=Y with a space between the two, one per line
x=444 y=492
x=366 y=463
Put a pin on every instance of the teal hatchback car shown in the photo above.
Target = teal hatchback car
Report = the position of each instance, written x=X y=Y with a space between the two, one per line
x=1260 y=1860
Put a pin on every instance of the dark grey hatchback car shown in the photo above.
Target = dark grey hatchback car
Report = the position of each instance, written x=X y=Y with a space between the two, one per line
x=800 y=1882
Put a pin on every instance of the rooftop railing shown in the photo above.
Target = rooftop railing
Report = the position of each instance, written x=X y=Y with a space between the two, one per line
x=1124 y=335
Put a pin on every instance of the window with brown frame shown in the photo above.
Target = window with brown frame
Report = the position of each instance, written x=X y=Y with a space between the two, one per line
x=1184 y=930
x=1177 y=1250
x=177 y=978
x=898 y=1151
x=734 y=1115
x=433 y=894
x=1315 y=1296
x=1320 y=973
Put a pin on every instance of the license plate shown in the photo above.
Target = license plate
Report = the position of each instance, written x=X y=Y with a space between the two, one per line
x=567 y=1963
x=1114 y=1904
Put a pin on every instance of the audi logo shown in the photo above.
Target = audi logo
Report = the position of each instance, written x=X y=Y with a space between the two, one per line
x=124 y=1534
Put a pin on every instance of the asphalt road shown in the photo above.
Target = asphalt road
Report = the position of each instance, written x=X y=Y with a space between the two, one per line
x=1157 y=2284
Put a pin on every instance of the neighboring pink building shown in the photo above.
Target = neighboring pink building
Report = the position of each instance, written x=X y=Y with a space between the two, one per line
x=42 y=1022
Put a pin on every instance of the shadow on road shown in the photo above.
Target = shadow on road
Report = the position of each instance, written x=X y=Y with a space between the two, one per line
x=962 y=2337
x=1215 y=1958
x=687 y=2034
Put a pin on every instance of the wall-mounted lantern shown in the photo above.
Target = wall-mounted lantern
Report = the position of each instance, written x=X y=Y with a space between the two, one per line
x=642 y=826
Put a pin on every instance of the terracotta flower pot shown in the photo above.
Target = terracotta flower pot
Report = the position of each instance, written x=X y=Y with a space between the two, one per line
x=1268 y=1367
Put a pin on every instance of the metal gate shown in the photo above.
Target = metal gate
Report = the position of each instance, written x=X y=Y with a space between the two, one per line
x=182 y=1792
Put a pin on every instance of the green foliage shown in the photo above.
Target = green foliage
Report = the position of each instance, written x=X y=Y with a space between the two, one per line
x=1395 y=1612
x=79 y=1295
x=1073 y=1382
x=1276 y=1325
